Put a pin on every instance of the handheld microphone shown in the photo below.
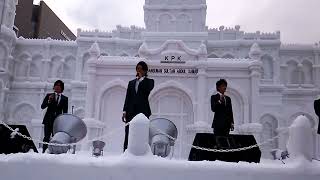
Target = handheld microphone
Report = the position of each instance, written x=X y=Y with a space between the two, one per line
x=52 y=97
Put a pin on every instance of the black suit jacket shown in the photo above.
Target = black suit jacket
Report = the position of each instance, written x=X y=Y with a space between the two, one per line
x=223 y=115
x=317 y=111
x=53 y=108
x=137 y=102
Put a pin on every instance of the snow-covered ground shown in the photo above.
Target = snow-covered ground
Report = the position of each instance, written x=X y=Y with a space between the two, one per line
x=84 y=166
x=138 y=163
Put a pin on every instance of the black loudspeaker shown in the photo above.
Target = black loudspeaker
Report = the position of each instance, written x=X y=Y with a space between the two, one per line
x=231 y=141
x=10 y=143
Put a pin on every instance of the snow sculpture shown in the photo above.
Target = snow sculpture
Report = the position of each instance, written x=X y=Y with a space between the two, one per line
x=138 y=143
x=300 y=139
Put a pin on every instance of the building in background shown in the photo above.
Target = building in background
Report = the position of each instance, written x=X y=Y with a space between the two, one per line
x=40 y=22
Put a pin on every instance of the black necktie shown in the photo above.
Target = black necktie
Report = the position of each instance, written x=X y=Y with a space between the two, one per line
x=58 y=96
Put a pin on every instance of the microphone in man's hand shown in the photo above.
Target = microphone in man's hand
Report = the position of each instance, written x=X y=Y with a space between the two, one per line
x=51 y=97
x=138 y=76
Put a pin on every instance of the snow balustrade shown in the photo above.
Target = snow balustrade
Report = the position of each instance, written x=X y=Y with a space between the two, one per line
x=138 y=162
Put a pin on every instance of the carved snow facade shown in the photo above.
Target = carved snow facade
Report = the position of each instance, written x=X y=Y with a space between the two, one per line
x=270 y=83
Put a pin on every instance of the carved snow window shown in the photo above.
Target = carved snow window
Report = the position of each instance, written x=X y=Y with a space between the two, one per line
x=306 y=73
x=21 y=65
x=166 y=23
x=69 y=68
x=24 y=113
x=269 y=125
x=176 y=106
x=56 y=70
x=267 y=65
x=2 y=56
x=110 y=111
x=35 y=67
x=183 y=23
x=293 y=73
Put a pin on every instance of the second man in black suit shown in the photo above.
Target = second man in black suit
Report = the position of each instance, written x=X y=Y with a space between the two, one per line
x=137 y=97
x=56 y=104
x=222 y=108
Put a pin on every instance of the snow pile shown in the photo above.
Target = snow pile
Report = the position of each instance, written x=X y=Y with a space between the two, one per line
x=300 y=139
x=137 y=163
x=84 y=166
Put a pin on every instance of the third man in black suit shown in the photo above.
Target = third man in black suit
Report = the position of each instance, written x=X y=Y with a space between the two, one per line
x=317 y=111
x=56 y=104
x=137 y=97
x=222 y=108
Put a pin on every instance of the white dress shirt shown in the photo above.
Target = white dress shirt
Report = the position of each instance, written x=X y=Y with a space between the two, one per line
x=138 y=82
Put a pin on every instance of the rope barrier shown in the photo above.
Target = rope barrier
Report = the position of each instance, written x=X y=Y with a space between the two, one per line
x=167 y=135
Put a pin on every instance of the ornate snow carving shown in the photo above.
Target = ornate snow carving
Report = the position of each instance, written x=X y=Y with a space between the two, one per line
x=56 y=67
x=36 y=66
x=94 y=50
x=187 y=19
x=173 y=48
x=175 y=15
x=23 y=113
x=3 y=55
x=69 y=68
x=9 y=13
x=255 y=51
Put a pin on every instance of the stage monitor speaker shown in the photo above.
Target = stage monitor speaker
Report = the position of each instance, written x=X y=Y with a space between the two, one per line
x=231 y=141
x=10 y=143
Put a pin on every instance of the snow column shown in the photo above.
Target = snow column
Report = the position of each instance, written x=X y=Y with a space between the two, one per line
x=202 y=94
x=300 y=143
x=255 y=79
x=317 y=66
x=138 y=142
x=276 y=71
x=90 y=95
x=255 y=73
x=46 y=61
x=2 y=103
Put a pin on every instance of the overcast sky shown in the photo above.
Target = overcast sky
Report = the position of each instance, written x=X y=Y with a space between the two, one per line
x=298 y=20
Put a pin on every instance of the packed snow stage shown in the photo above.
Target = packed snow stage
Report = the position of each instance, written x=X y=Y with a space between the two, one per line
x=138 y=162
x=77 y=167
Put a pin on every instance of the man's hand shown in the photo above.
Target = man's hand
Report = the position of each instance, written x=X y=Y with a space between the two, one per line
x=232 y=127
x=124 y=117
x=51 y=98
x=139 y=75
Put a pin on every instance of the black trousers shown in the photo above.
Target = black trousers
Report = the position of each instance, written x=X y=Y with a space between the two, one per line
x=221 y=131
x=319 y=126
x=48 y=132
x=126 y=136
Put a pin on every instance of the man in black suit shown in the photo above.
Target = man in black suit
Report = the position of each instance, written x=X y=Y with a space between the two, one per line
x=222 y=108
x=317 y=111
x=137 y=97
x=56 y=104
